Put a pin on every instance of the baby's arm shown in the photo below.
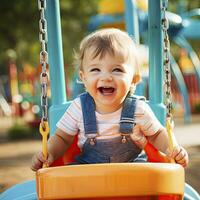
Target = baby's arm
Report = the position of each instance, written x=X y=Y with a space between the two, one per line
x=57 y=146
x=160 y=141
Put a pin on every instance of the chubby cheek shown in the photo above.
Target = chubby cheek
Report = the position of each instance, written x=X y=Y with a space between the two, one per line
x=90 y=85
x=124 y=85
x=123 y=91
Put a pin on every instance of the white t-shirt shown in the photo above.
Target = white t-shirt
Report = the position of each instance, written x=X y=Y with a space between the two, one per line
x=108 y=124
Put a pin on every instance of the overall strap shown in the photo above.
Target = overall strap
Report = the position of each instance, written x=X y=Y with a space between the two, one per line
x=127 y=120
x=89 y=117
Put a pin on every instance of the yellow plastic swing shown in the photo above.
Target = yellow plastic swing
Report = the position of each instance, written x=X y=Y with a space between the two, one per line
x=116 y=181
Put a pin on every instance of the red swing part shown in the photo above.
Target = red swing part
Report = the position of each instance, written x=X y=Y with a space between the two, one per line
x=69 y=155
x=154 y=155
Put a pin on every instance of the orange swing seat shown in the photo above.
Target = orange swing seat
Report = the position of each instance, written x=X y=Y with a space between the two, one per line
x=127 y=181
x=113 y=181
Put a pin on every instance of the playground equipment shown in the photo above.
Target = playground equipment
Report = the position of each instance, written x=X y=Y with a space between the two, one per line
x=4 y=106
x=5 y=109
x=29 y=87
x=188 y=28
x=192 y=71
x=102 y=181
x=21 y=93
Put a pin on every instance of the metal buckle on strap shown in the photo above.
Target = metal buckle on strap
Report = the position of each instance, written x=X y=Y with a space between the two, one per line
x=124 y=137
x=92 y=138
x=92 y=141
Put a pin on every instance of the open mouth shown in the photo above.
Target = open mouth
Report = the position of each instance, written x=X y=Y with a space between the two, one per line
x=106 y=90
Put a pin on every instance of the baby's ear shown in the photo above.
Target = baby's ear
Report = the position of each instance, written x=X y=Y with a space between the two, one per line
x=81 y=75
x=136 y=79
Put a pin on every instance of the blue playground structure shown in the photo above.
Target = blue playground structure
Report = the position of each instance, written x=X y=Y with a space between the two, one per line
x=27 y=190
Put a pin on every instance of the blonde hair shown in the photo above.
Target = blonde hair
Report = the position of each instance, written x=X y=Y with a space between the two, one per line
x=113 y=41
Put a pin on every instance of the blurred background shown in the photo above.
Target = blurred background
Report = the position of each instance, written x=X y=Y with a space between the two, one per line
x=20 y=74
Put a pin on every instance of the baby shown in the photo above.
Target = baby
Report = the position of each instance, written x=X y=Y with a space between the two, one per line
x=112 y=124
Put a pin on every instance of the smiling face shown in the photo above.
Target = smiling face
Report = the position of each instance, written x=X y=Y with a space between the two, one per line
x=108 y=67
x=107 y=80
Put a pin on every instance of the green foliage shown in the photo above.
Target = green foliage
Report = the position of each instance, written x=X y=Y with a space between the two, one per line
x=197 y=108
x=21 y=131
x=19 y=29
x=181 y=6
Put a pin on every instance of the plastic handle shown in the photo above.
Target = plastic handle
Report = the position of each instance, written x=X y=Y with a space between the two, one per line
x=44 y=131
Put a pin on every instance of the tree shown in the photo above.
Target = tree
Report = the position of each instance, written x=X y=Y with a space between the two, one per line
x=19 y=28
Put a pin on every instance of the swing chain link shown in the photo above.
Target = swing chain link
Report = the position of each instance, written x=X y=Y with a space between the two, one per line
x=43 y=61
x=166 y=59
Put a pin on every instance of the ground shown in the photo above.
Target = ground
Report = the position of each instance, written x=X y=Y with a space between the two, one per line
x=15 y=159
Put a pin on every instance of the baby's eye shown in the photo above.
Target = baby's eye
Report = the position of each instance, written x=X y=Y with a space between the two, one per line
x=117 y=69
x=94 y=70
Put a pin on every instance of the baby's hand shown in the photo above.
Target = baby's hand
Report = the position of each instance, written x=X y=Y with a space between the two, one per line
x=180 y=155
x=138 y=138
x=38 y=160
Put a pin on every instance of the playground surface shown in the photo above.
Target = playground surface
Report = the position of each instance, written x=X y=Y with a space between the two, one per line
x=15 y=156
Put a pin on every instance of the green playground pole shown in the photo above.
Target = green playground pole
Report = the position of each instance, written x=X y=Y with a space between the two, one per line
x=155 y=37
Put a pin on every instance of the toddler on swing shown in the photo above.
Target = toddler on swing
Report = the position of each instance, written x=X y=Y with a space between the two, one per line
x=113 y=126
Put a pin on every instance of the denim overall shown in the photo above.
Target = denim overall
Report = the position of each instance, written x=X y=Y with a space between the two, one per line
x=115 y=150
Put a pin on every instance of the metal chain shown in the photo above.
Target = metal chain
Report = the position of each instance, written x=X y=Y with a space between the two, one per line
x=43 y=61
x=166 y=59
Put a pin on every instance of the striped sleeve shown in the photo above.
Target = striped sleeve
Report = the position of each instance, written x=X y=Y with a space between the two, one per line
x=149 y=123
x=69 y=121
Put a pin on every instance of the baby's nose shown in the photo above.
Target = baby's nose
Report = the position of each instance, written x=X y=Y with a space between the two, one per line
x=107 y=77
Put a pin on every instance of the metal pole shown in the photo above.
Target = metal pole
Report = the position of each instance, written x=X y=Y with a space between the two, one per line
x=132 y=27
x=56 y=65
x=155 y=38
x=131 y=19
x=55 y=50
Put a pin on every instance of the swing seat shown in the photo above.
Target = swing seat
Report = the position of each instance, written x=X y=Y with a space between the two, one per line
x=127 y=181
